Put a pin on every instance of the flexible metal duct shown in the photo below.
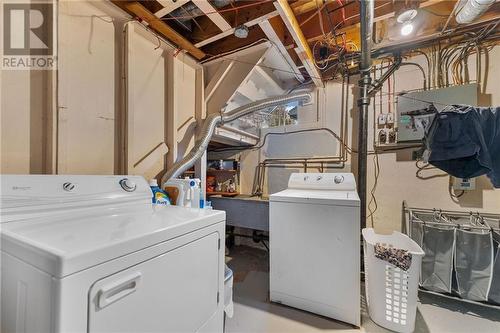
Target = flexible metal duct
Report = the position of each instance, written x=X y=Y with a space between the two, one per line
x=472 y=9
x=217 y=119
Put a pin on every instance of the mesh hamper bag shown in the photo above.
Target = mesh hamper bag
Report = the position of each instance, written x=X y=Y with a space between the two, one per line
x=494 y=294
x=437 y=264
x=418 y=219
x=391 y=292
x=474 y=264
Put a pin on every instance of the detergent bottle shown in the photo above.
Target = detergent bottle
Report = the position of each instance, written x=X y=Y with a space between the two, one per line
x=160 y=197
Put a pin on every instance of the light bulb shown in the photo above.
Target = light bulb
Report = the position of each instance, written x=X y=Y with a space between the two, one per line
x=407 y=29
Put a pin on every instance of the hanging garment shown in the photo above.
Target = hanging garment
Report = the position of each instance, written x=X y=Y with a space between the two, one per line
x=437 y=263
x=474 y=264
x=397 y=257
x=464 y=141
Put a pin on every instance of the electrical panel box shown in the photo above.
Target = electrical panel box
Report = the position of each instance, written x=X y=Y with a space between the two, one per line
x=413 y=116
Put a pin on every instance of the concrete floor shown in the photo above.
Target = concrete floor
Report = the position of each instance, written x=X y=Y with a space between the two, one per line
x=254 y=313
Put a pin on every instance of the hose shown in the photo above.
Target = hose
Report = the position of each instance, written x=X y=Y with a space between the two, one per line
x=217 y=119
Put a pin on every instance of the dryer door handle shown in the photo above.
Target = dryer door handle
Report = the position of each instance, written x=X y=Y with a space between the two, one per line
x=118 y=289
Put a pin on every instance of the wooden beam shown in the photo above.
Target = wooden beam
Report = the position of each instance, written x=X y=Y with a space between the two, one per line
x=229 y=32
x=272 y=35
x=305 y=54
x=169 y=6
x=232 y=42
x=208 y=32
x=384 y=9
x=301 y=6
x=218 y=77
x=209 y=10
x=138 y=10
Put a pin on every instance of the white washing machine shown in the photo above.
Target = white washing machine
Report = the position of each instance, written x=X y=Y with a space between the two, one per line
x=92 y=254
x=314 y=245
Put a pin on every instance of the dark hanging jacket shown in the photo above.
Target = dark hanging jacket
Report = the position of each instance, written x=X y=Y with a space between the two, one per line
x=464 y=141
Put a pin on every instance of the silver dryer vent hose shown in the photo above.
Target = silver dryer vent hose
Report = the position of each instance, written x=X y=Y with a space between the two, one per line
x=217 y=119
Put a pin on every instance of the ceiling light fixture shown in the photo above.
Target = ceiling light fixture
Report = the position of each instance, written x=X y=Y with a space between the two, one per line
x=406 y=15
x=241 y=31
x=407 y=29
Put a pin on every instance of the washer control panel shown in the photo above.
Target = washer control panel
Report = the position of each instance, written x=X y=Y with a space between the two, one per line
x=21 y=194
x=325 y=181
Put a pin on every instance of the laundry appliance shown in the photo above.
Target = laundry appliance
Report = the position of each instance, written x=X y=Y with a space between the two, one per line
x=314 y=241
x=93 y=254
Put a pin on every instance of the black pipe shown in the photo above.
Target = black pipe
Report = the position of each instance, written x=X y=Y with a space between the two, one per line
x=377 y=85
x=366 y=18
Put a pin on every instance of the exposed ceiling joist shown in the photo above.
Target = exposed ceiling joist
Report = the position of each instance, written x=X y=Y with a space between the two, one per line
x=209 y=10
x=305 y=54
x=138 y=10
x=169 y=6
x=384 y=9
x=229 y=32
x=305 y=6
x=231 y=43
x=272 y=35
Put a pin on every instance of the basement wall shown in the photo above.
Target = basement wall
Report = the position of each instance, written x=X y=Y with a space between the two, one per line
x=118 y=102
x=397 y=180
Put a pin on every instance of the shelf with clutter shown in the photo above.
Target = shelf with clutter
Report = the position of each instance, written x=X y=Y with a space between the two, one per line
x=222 y=178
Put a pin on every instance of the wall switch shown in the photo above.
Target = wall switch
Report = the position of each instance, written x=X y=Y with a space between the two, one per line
x=382 y=119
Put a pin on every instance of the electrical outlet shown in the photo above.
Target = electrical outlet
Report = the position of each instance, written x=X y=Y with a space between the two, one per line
x=392 y=136
x=382 y=119
x=382 y=137
x=390 y=118
x=464 y=184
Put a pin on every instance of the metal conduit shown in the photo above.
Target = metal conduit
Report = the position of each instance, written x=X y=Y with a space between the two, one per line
x=366 y=16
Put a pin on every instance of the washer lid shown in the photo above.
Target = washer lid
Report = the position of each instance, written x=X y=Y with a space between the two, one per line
x=319 y=197
x=67 y=243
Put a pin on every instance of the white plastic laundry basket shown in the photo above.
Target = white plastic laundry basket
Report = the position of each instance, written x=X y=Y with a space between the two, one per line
x=391 y=293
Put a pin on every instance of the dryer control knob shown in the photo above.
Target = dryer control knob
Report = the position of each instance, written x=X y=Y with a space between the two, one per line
x=338 y=179
x=128 y=185
x=69 y=186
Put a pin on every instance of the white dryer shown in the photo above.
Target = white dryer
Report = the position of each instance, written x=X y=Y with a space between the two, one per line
x=314 y=240
x=92 y=254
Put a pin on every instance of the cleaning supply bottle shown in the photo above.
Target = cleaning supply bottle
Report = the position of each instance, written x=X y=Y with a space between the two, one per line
x=160 y=197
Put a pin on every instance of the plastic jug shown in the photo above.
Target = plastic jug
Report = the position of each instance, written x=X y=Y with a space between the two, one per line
x=160 y=197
